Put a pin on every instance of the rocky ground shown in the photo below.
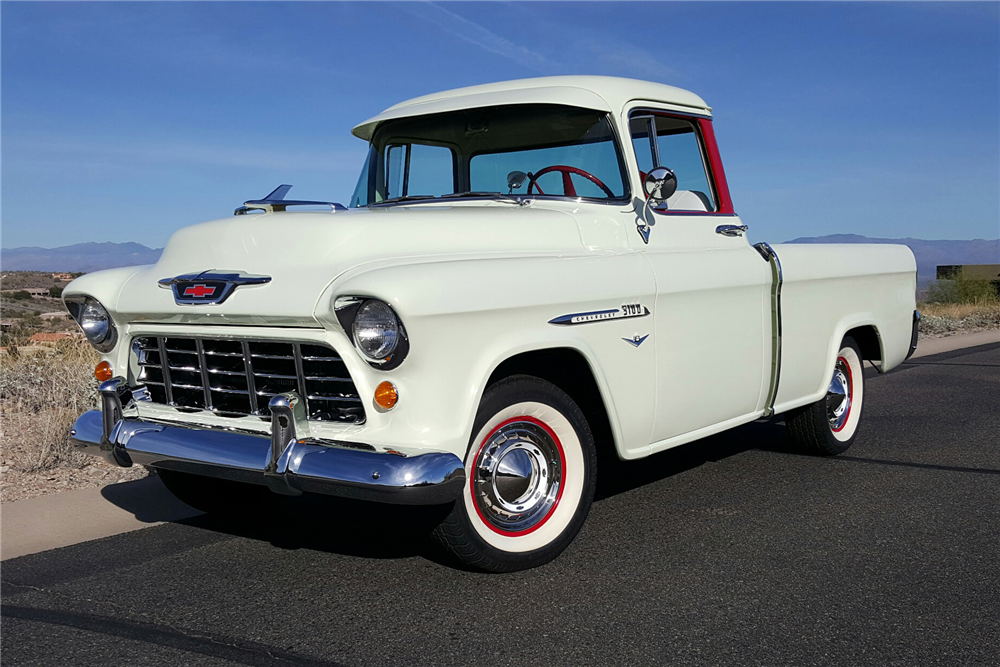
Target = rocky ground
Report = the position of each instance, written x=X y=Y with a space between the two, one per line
x=17 y=484
x=939 y=320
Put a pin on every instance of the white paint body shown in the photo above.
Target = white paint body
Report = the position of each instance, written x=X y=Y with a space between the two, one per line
x=477 y=282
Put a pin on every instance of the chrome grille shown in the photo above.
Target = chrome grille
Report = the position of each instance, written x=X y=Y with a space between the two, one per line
x=236 y=378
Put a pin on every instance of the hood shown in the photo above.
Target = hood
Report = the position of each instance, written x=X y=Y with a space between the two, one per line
x=303 y=253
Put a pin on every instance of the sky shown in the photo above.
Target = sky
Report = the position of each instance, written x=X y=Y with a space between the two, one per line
x=125 y=121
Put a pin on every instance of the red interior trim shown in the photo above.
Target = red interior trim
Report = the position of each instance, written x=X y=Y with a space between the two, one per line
x=715 y=163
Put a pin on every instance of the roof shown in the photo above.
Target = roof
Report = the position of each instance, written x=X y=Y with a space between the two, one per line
x=604 y=93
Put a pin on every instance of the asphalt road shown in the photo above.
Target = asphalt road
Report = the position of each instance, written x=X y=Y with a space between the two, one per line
x=735 y=550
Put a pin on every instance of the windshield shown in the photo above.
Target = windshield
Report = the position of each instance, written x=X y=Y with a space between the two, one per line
x=521 y=150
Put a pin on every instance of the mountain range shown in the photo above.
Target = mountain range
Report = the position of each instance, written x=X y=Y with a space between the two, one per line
x=95 y=256
x=78 y=257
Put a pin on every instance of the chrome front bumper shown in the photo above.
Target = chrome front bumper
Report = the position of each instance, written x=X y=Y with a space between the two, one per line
x=283 y=462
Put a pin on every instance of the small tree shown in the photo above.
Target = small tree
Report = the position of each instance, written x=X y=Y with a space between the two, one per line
x=55 y=291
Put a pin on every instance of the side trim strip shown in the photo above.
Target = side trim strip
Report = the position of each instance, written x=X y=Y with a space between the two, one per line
x=777 y=277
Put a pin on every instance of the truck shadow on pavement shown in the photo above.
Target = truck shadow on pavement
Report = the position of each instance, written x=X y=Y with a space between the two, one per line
x=616 y=476
x=372 y=530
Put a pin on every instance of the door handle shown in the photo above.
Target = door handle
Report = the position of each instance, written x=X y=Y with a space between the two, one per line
x=731 y=230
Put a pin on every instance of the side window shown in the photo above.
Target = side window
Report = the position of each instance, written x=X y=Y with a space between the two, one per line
x=395 y=169
x=418 y=169
x=432 y=170
x=678 y=148
x=639 y=127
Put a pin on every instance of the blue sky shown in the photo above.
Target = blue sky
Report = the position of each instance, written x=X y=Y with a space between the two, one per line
x=125 y=121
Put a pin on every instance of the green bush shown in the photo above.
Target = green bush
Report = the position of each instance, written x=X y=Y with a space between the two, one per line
x=55 y=292
x=19 y=295
x=962 y=290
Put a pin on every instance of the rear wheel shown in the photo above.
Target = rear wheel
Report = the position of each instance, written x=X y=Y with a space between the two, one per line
x=216 y=496
x=830 y=425
x=531 y=470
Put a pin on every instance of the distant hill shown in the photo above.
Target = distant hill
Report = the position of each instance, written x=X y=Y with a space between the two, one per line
x=78 y=257
x=929 y=254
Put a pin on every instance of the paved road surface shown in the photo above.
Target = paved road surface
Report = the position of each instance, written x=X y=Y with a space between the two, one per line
x=735 y=550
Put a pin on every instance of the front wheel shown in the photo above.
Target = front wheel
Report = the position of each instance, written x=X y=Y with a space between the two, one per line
x=830 y=425
x=531 y=470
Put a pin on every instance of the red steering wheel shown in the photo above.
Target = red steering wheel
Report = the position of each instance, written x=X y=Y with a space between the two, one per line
x=568 y=188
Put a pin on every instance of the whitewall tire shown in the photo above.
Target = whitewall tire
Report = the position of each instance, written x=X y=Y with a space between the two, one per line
x=530 y=478
x=830 y=425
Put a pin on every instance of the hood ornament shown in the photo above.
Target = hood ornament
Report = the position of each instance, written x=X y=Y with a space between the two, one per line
x=209 y=287
x=276 y=202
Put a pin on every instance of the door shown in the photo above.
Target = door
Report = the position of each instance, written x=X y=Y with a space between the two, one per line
x=711 y=288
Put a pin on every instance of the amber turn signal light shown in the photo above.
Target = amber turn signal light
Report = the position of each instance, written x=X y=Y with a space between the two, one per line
x=386 y=395
x=103 y=371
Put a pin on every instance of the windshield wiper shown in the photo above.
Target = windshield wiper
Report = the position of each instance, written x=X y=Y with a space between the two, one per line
x=395 y=200
x=514 y=199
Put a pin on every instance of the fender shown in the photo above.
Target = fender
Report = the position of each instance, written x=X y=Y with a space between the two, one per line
x=106 y=286
x=465 y=317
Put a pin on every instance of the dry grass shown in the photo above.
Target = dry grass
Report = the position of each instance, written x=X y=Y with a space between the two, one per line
x=41 y=394
x=943 y=318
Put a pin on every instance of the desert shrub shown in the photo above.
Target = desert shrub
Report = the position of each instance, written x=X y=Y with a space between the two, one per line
x=41 y=394
x=27 y=320
x=55 y=292
x=19 y=295
x=963 y=290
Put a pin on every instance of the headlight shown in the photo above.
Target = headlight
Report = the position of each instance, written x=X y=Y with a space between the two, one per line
x=375 y=330
x=95 y=321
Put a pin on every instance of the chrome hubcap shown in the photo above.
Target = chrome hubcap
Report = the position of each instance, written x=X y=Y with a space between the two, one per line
x=838 y=396
x=517 y=476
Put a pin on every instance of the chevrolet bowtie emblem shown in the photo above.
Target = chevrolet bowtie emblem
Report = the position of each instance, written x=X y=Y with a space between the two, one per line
x=209 y=287
x=199 y=291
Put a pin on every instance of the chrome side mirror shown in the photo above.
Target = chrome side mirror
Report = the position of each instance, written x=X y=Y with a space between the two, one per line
x=660 y=185
x=515 y=180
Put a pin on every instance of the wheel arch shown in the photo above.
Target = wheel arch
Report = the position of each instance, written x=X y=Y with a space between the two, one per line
x=569 y=369
x=864 y=331
x=869 y=341
x=862 y=328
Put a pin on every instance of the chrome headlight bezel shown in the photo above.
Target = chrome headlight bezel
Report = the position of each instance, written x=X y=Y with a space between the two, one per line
x=84 y=309
x=347 y=309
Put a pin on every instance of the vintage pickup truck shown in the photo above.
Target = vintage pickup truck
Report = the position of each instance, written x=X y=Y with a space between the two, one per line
x=527 y=272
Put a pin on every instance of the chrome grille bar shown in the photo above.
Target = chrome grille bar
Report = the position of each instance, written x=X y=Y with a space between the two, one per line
x=300 y=374
x=206 y=386
x=248 y=366
x=237 y=377
x=161 y=345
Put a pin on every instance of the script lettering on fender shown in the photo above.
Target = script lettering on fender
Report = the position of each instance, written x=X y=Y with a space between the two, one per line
x=624 y=312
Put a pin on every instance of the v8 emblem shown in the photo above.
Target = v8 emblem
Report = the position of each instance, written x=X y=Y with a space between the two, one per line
x=636 y=340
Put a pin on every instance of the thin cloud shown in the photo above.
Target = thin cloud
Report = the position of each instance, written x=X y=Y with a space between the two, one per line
x=628 y=60
x=473 y=33
x=56 y=151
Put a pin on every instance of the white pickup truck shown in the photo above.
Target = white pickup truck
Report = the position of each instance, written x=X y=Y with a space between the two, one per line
x=527 y=272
